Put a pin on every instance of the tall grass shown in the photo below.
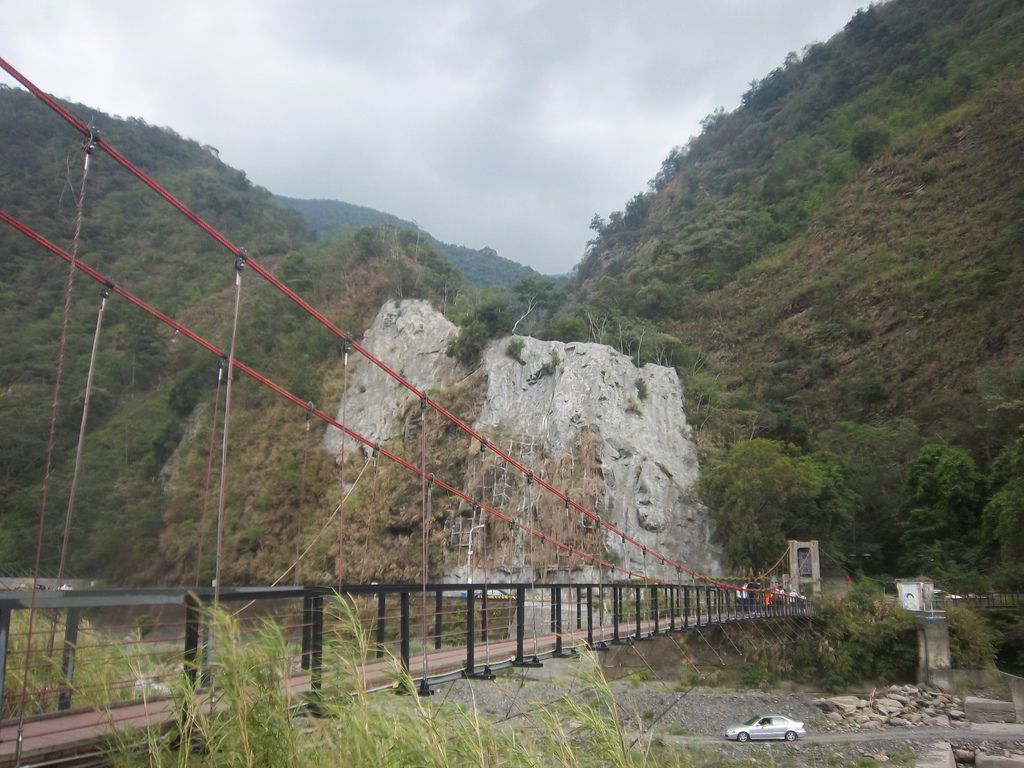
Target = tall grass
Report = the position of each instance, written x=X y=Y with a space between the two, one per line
x=252 y=720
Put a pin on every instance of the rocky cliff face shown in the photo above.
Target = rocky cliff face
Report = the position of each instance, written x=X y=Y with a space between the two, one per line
x=582 y=416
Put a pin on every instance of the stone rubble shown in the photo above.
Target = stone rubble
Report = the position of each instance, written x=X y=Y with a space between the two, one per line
x=906 y=706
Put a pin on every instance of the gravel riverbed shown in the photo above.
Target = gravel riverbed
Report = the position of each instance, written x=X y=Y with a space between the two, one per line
x=693 y=720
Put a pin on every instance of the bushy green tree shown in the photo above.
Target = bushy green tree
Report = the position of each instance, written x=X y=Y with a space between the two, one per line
x=763 y=493
x=943 y=499
x=1004 y=512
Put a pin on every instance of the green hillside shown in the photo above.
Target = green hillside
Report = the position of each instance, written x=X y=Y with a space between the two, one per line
x=481 y=267
x=144 y=506
x=839 y=265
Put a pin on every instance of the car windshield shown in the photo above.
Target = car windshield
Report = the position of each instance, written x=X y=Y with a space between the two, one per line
x=754 y=721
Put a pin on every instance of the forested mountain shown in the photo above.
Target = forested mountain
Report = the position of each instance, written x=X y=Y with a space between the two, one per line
x=481 y=267
x=837 y=269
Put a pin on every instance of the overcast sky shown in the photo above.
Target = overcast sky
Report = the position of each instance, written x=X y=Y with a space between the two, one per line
x=506 y=124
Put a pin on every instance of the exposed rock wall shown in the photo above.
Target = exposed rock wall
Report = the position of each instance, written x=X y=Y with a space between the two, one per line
x=582 y=416
x=556 y=393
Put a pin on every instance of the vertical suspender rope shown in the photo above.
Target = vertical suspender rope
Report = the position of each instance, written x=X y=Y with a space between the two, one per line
x=484 y=608
x=425 y=490
x=89 y=146
x=239 y=266
x=533 y=565
x=297 y=566
x=221 y=366
x=104 y=295
x=571 y=536
x=345 y=347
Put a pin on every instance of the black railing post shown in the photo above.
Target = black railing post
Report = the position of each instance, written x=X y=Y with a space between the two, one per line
x=654 y=609
x=520 y=624
x=553 y=623
x=381 y=618
x=686 y=607
x=470 y=630
x=307 y=628
x=483 y=615
x=68 y=660
x=438 y=617
x=636 y=600
x=5 y=631
x=316 y=644
x=405 y=631
x=696 y=603
x=718 y=603
x=590 y=617
x=579 y=607
x=191 y=657
x=616 y=612
x=520 y=660
x=556 y=593
x=672 y=604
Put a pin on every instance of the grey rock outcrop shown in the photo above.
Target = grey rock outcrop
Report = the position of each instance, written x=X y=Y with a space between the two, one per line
x=411 y=337
x=555 y=392
x=565 y=410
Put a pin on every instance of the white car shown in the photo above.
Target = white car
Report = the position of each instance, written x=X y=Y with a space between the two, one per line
x=766 y=727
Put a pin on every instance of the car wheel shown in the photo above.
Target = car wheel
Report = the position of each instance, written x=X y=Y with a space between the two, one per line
x=743 y=736
x=790 y=736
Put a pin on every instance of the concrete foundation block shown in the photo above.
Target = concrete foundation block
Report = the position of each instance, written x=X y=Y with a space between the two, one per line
x=935 y=756
x=981 y=710
x=983 y=760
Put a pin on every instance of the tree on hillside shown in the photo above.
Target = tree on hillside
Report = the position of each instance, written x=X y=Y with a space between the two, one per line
x=764 y=493
x=943 y=499
x=1004 y=514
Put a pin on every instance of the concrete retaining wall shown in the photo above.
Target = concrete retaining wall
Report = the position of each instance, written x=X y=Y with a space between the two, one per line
x=1017 y=691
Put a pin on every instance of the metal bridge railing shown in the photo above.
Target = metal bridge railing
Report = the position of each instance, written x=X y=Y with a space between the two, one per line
x=98 y=648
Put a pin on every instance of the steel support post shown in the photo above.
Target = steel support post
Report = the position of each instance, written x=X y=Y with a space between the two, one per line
x=381 y=618
x=191 y=657
x=68 y=661
x=307 y=628
x=316 y=644
x=520 y=659
x=616 y=612
x=470 y=631
x=590 y=617
x=483 y=616
x=438 y=617
x=405 y=631
x=654 y=610
x=636 y=600
x=5 y=632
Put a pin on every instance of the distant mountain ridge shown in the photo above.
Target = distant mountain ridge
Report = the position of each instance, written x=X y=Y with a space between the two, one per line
x=481 y=267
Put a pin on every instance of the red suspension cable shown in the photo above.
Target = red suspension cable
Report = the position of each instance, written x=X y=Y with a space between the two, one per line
x=295 y=399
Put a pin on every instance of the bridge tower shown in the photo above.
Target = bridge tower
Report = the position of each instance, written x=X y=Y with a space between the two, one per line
x=804 y=567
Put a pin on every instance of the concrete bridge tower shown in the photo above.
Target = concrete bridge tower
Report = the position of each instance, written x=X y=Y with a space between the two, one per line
x=804 y=567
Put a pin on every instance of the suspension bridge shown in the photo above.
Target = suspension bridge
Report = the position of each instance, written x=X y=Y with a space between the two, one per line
x=63 y=651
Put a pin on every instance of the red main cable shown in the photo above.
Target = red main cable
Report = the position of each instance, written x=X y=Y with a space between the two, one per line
x=263 y=272
x=254 y=374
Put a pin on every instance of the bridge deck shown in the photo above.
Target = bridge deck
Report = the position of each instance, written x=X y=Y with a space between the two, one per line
x=81 y=731
x=76 y=731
